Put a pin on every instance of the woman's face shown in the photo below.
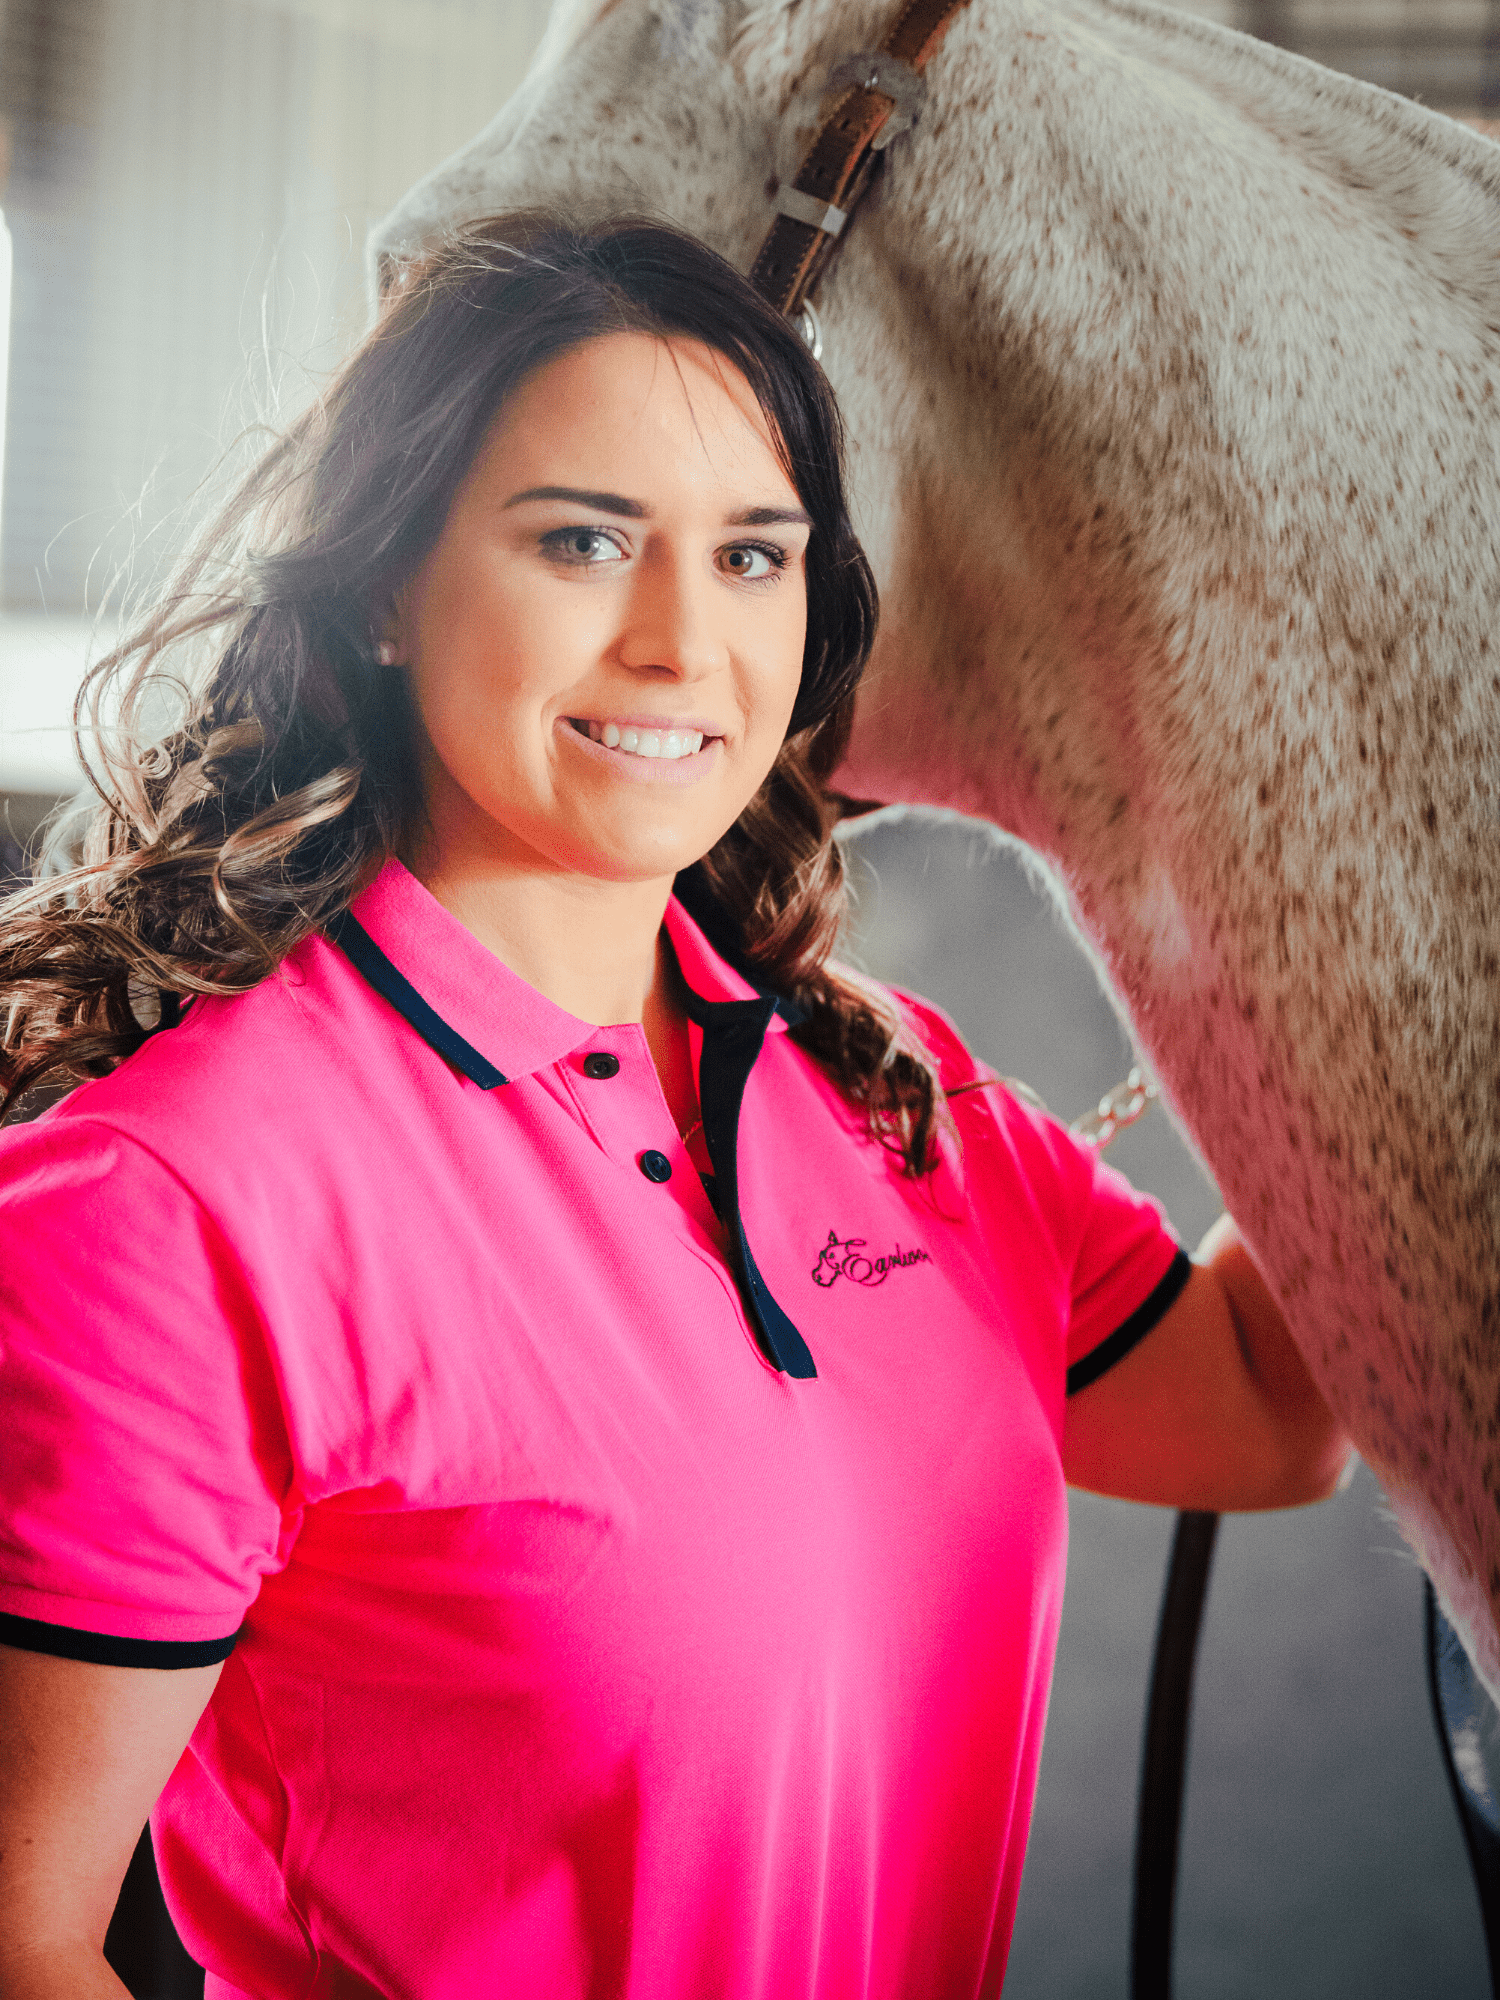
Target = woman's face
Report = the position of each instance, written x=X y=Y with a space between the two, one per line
x=605 y=643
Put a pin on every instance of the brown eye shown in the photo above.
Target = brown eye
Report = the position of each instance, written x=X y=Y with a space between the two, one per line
x=753 y=560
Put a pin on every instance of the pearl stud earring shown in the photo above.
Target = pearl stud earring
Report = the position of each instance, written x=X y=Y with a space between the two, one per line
x=385 y=652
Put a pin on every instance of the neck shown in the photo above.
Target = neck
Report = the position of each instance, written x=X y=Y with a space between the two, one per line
x=588 y=946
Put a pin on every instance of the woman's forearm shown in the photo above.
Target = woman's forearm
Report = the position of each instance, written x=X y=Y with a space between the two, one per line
x=51 y=1974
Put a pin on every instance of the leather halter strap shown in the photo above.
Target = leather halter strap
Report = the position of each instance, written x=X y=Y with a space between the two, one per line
x=838 y=167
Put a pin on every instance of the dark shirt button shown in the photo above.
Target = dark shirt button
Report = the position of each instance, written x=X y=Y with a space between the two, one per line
x=655 y=1166
x=601 y=1065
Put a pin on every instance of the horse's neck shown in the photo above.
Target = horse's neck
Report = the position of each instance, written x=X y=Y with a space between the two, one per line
x=1171 y=383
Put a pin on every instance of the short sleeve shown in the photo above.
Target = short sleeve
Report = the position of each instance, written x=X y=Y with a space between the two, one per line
x=145 y=1460
x=1128 y=1268
x=1114 y=1261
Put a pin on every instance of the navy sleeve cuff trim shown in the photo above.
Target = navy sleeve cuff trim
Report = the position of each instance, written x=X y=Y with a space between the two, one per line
x=103 y=1649
x=1115 y=1346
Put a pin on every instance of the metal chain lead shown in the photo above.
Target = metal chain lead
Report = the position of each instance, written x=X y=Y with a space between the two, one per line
x=1115 y=1110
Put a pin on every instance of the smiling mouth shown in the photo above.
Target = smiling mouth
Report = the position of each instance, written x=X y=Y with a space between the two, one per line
x=633 y=740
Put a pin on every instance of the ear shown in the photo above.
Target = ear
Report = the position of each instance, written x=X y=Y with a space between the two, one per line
x=386 y=638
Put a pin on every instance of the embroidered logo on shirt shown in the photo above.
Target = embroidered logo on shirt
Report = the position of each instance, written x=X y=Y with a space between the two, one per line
x=848 y=1257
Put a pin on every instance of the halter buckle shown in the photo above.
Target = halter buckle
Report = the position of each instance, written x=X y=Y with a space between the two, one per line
x=874 y=70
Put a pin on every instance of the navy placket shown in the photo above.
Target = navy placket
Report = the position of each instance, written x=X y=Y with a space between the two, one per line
x=733 y=1032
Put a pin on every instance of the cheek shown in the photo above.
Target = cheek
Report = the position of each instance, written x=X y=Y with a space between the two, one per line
x=474 y=725
x=780 y=674
x=495 y=662
x=474 y=614
x=462 y=711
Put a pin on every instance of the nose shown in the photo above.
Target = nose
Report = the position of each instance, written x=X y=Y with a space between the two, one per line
x=672 y=625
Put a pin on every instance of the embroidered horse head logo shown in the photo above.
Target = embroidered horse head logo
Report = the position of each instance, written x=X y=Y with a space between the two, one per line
x=831 y=1258
x=847 y=1257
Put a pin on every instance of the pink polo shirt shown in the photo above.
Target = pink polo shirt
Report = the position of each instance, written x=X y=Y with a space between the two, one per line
x=581 y=1650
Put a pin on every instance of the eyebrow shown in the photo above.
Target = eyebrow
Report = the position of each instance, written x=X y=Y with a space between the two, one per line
x=632 y=510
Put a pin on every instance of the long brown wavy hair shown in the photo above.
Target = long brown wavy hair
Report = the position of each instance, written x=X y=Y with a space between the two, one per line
x=288 y=772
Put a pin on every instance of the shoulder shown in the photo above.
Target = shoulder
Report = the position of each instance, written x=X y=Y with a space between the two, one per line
x=215 y=1142
x=991 y=1111
x=938 y=1036
x=86 y=1196
x=1020 y=1166
x=233 y=1070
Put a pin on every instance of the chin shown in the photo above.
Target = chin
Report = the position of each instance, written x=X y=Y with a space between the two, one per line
x=635 y=868
x=635 y=860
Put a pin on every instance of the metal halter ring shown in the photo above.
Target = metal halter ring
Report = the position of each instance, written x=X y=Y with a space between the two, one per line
x=811 y=330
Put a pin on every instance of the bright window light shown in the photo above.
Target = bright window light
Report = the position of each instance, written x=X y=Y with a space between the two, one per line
x=4 y=352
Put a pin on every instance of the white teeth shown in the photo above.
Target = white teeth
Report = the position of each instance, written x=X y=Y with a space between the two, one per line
x=670 y=743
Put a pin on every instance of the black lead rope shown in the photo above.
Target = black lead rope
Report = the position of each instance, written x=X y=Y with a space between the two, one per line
x=1468 y=1727
x=1164 y=1756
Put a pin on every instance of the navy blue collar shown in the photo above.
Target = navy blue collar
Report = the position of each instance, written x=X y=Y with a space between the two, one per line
x=692 y=891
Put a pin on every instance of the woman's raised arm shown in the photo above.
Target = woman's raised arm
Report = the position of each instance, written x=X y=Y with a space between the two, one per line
x=1215 y=1408
x=84 y=1752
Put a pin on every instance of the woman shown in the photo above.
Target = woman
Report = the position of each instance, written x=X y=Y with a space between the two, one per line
x=536 y=1405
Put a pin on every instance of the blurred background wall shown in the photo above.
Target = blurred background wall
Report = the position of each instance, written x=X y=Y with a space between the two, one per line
x=187 y=185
